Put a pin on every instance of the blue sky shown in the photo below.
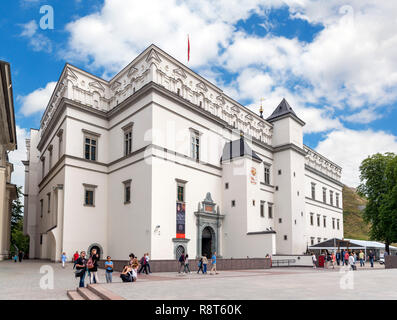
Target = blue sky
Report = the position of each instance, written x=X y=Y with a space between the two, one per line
x=333 y=61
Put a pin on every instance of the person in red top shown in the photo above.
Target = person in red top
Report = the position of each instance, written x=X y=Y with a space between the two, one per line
x=346 y=257
x=76 y=256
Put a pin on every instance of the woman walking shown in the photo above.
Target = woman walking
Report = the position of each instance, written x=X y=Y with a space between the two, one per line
x=314 y=260
x=200 y=266
x=205 y=262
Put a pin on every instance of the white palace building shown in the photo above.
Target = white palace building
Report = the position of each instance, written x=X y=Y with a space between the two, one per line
x=160 y=160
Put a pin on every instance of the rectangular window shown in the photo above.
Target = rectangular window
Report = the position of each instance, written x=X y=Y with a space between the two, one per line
x=331 y=198
x=41 y=239
x=90 y=148
x=333 y=223
x=127 y=141
x=89 y=195
x=226 y=185
x=195 y=145
x=50 y=157
x=313 y=191
x=318 y=240
x=60 y=143
x=337 y=200
x=318 y=220
x=312 y=241
x=270 y=211
x=48 y=202
x=180 y=193
x=262 y=209
x=337 y=224
x=325 y=195
x=127 y=191
x=267 y=174
x=41 y=208
x=325 y=221
x=311 y=219
x=233 y=203
x=42 y=167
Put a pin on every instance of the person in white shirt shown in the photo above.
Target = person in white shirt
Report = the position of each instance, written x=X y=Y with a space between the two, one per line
x=147 y=262
x=314 y=260
x=352 y=262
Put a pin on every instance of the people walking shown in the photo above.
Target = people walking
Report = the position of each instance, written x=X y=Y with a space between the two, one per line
x=213 y=262
x=200 y=266
x=333 y=259
x=314 y=260
x=352 y=262
x=81 y=267
x=347 y=257
x=361 y=257
x=63 y=259
x=205 y=262
x=186 y=268
x=338 y=258
x=143 y=263
x=92 y=266
x=181 y=263
x=108 y=269
x=371 y=258
x=20 y=256
x=15 y=258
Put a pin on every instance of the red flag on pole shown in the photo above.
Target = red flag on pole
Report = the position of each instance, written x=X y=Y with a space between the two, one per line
x=188 y=48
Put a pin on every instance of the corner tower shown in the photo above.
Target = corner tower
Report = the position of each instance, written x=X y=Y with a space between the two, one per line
x=288 y=173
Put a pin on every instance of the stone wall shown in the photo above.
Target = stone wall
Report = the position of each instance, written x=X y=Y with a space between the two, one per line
x=221 y=264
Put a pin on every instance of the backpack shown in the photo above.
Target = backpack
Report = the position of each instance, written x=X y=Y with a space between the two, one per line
x=181 y=258
x=90 y=263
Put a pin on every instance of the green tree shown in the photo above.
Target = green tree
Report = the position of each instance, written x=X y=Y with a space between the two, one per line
x=18 y=239
x=378 y=175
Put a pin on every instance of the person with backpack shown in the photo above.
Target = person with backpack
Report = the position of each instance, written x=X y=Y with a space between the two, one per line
x=352 y=261
x=92 y=266
x=147 y=263
x=200 y=266
x=108 y=269
x=81 y=267
x=181 y=262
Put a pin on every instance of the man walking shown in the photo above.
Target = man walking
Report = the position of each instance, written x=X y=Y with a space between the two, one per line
x=338 y=257
x=181 y=263
x=361 y=257
x=371 y=258
x=213 y=261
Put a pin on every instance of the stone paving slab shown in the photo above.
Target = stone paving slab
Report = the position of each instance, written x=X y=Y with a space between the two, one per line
x=22 y=281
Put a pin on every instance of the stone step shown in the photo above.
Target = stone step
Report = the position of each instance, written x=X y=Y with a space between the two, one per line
x=74 y=295
x=87 y=294
x=103 y=292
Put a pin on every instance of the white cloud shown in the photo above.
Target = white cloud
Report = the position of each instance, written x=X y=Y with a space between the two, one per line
x=37 y=41
x=364 y=116
x=16 y=157
x=37 y=100
x=348 y=148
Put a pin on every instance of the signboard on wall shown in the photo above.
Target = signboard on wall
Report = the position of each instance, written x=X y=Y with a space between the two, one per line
x=180 y=220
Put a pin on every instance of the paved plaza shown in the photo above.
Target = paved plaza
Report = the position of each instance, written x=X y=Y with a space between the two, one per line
x=22 y=281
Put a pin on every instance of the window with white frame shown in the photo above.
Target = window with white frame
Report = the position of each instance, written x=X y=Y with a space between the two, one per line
x=270 y=211
x=41 y=208
x=262 y=210
x=337 y=224
x=325 y=195
x=48 y=202
x=127 y=133
x=195 y=144
x=311 y=219
x=42 y=167
x=333 y=223
x=50 y=157
x=337 y=200
x=60 y=143
x=89 y=195
x=325 y=221
x=313 y=191
x=127 y=191
x=331 y=197
x=91 y=145
x=267 y=174
x=318 y=220
x=180 y=190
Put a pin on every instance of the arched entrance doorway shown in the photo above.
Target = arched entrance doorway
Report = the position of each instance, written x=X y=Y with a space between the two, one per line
x=207 y=241
x=179 y=251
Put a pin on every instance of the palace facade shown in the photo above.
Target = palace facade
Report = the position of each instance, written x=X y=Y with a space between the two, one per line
x=160 y=160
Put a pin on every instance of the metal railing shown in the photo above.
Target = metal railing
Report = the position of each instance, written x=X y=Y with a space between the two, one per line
x=283 y=262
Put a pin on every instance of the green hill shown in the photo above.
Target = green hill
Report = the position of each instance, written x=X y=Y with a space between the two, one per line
x=353 y=223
